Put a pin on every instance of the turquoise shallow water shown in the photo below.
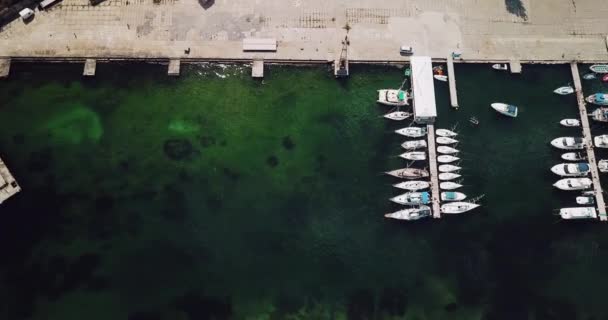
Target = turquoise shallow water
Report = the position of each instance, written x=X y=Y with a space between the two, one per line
x=214 y=196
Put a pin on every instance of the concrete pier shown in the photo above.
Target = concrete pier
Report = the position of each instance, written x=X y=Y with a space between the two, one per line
x=89 y=68
x=515 y=66
x=257 y=68
x=452 y=81
x=173 y=67
x=435 y=196
x=5 y=67
x=595 y=176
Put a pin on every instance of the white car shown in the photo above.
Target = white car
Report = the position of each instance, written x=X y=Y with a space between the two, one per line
x=406 y=50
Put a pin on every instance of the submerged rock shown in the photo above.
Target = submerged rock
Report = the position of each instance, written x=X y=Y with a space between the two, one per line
x=178 y=149
x=272 y=161
x=288 y=143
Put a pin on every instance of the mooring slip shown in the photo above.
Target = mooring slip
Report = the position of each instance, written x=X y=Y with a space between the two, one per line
x=435 y=197
x=595 y=176
x=5 y=67
x=8 y=185
x=452 y=81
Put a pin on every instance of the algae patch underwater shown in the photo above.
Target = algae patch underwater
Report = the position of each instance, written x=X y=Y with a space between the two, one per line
x=75 y=126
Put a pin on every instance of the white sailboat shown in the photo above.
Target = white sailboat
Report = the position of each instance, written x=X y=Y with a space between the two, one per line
x=602 y=165
x=500 y=66
x=578 y=213
x=571 y=169
x=446 y=158
x=410 y=214
x=445 y=133
x=601 y=141
x=414 y=144
x=458 y=207
x=414 y=155
x=448 y=168
x=452 y=196
x=444 y=176
x=440 y=77
x=506 y=109
x=408 y=173
x=413 y=185
x=412 y=132
x=565 y=90
x=570 y=123
x=393 y=97
x=446 y=140
x=568 y=143
x=412 y=198
x=573 y=156
x=573 y=184
x=449 y=185
x=397 y=115
x=447 y=150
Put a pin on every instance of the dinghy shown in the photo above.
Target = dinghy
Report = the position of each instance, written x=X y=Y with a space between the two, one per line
x=571 y=169
x=601 y=141
x=445 y=133
x=573 y=184
x=584 y=200
x=440 y=77
x=444 y=176
x=570 y=123
x=600 y=114
x=408 y=173
x=446 y=158
x=568 y=143
x=412 y=198
x=599 y=68
x=500 y=66
x=602 y=165
x=458 y=207
x=448 y=168
x=412 y=132
x=447 y=150
x=414 y=155
x=446 y=140
x=578 y=213
x=598 y=98
x=573 y=156
x=398 y=115
x=452 y=196
x=411 y=214
x=393 y=97
x=449 y=185
x=506 y=109
x=414 y=144
x=413 y=185
x=589 y=76
x=565 y=90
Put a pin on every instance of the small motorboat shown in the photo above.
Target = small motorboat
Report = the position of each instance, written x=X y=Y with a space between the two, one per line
x=413 y=185
x=449 y=185
x=393 y=97
x=441 y=77
x=448 y=168
x=414 y=144
x=445 y=176
x=573 y=184
x=408 y=173
x=452 y=196
x=599 y=68
x=506 y=109
x=474 y=121
x=446 y=158
x=412 y=132
x=500 y=66
x=446 y=140
x=412 y=198
x=445 y=133
x=570 y=122
x=585 y=199
x=571 y=169
x=602 y=165
x=458 y=207
x=600 y=114
x=568 y=143
x=589 y=76
x=398 y=115
x=598 y=98
x=447 y=150
x=573 y=156
x=565 y=90
x=605 y=78
x=414 y=155
x=411 y=214
x=601 y=141
x=578 y=213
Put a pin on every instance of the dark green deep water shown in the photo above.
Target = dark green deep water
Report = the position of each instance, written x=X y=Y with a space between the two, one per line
x=206 y=197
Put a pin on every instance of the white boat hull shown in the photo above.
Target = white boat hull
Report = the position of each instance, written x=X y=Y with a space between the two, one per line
x=578 y=213
x=573 y=156
x=571 y=169
x=447 y=150
x=573 y=184
x=392 y=97
x=412 y=132
x=458 y=207
x=445 y=176
x=505 y=109
x=602 y=165
x=410 y=214
x=408 y=173
x=568 y=143
x=446 y=158
x=414 y=155
x=565 y=90
x=448 y=168
x=601 y=141
x=446 y=140
x=413 y=185
x=412 y=198
x=397 y=115
x=570 y=123
x=440 y=77
x=500 y=66
x=449 y=185
x=445 y=133
x=415 y=144
x=452 y=196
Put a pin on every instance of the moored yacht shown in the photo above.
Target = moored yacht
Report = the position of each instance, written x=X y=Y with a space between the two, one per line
x=568 y=143
x=408 y=173
x=412 y=132
x=458 y=207
x=571 y=169
x=573 y=184
x=411 y=214
x=578 y=213
x=601 y=141
x=393 y=97
x=413 y=185
x=412 y=198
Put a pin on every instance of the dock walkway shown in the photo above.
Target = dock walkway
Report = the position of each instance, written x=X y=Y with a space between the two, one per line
x=452 y=81
x=595 y=176
x=435 y=198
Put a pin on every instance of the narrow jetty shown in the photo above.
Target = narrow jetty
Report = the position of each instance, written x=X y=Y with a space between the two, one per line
x=515 y=66
x=452 y=81
x=430 y=129
x=595 y=176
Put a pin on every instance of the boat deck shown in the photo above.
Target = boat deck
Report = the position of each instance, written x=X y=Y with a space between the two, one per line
x=595 y=176
x=435 y=197
x=8 y=185
x=452 y=81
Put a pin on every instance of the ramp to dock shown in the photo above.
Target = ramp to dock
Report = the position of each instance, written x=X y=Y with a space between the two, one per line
x=435 y=198
x=452 y=81
x=595 y=176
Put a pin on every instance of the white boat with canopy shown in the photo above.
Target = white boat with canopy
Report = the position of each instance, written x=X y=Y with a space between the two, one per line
x=573 y=184
x=414 y=155
x=412 y=198
x=570 y=123
x=458 y=207
x=601 y=141
x=448 y=168
x=445 y=133
x=411 y=214
x=578 y=213
x=447 y=150
x=599 y=68
x=446 y=158
x=452 y=196
x=449 y=185
x=500 y=66
x=444 y=176
x=413 y=185
x=393 y=97
x=414 y=144
x=602 y=165
x=598 y=98
x=568 y=143
x=446 y=140
x=573 y=156
x=506 y=109
x=600 y=114
x=565 y=90
x=412 y=132
x=571 y=169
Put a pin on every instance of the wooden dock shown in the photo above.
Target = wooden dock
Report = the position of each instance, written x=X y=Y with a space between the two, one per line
x=595 y=175
x=452 y=81
x=435 y=197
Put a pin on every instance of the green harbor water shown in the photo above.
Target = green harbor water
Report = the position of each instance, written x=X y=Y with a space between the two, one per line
x=215 y=196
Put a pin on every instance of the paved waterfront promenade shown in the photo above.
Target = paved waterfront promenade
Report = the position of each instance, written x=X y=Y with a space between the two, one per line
x=313 y=29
